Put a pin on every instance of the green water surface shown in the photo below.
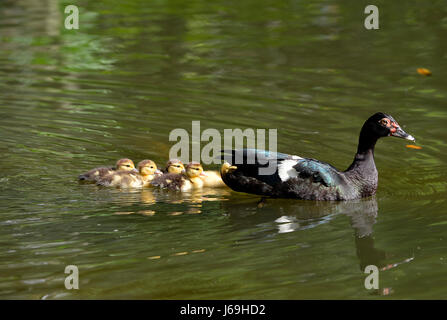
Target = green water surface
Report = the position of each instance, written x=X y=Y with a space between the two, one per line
x=72 y=100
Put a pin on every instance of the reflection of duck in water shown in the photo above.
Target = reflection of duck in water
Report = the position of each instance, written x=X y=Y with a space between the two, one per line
x=98 y=173
x=190 y=179
x=147 y=170
x=292 y=215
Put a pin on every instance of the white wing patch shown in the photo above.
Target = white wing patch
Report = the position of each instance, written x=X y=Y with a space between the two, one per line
x=286 y=170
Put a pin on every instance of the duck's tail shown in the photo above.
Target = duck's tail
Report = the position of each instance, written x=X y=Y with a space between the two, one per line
x=259 y=164
x=251 y=156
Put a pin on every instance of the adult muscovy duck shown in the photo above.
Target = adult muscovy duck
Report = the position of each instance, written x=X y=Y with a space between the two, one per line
x=310 y=179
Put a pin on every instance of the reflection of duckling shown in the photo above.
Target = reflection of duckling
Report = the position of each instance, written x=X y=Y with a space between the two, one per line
x=147 y=196
x=174 y=166
x=195 y=202
x=98 y=173
x=190 y=179
x=124 y=179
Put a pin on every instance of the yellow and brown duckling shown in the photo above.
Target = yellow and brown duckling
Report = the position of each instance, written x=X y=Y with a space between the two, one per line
x=209 y=178
x=96 y=174
x=212 y=179
x=190 y=179
x=147 y=171
x=174 y=166
x=227 y=168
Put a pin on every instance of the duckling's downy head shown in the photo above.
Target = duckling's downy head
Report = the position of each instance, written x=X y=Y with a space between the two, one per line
x=194 y=170
x=227 y=168
x=125 y=164
x=148 y=167
x=175 y=166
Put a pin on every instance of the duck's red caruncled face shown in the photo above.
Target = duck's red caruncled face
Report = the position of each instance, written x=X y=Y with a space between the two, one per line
x=392 y=125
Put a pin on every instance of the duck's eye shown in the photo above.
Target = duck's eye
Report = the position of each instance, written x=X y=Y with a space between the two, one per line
x=128 y=165
x=384 y=122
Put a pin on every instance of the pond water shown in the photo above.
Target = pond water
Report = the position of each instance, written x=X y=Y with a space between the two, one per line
x=71 y=100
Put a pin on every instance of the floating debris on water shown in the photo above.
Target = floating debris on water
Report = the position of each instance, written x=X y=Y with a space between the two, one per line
x=424 y=71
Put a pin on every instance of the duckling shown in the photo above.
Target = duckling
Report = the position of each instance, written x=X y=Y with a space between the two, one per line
x=189 y=179
x=147 y=170
x=212 y=179
x=174 y=166
x=98 y=173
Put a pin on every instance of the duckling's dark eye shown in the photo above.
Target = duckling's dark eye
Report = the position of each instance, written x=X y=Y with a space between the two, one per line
x=128 y=165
